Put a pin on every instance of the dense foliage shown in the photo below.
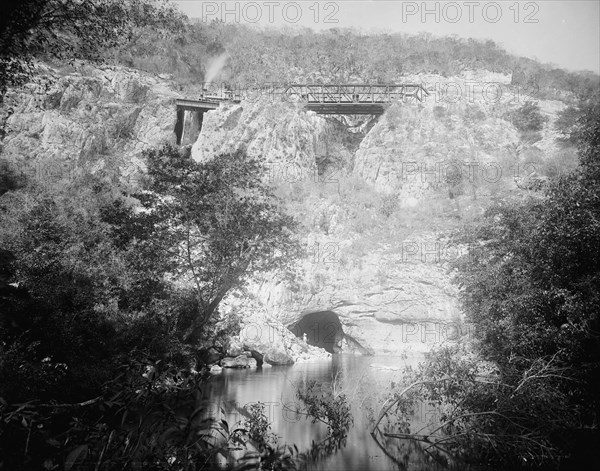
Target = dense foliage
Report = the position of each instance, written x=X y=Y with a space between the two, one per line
x=212 y=224
x=528 y=118
x=67 y=30
x=337 y=55
x=96 y=285
x=530 y=286
x=328 y=404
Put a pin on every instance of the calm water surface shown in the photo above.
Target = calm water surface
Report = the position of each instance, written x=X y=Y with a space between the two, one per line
x=366 y=388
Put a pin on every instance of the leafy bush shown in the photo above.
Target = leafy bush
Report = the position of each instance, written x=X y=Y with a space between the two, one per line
x=328 y=407
x=269 y=455
x=528 y=118
x=481 y=417
x=147 y=418
x=440 y=112
x=258 y=427
x=473 y=114
x=10 y=177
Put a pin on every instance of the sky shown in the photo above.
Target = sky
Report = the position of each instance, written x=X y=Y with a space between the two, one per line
x=564 y=33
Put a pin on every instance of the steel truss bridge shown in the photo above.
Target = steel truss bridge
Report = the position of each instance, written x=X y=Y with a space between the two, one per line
x=355 y=98
x=344 y=99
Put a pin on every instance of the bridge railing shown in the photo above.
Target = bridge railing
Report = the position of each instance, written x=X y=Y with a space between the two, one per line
x=315 y=93
x=356 y=93
x=341 y=98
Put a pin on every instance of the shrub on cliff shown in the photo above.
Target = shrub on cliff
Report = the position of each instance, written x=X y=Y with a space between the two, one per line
x=528 y=118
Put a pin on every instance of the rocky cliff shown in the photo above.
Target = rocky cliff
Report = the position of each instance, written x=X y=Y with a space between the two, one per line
x=82 y=118
x=376 y=214
x=376 y=198
x=294 y=143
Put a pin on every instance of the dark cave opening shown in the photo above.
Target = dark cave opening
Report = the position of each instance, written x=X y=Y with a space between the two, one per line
x=323 y=329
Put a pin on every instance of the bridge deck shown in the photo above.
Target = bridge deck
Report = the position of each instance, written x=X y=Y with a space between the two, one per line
x=326 y=99
x=357 y=93
x=196 y=105
x=348 y=108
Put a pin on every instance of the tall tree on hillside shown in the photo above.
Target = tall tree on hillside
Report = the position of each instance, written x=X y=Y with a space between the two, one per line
x=214 y=222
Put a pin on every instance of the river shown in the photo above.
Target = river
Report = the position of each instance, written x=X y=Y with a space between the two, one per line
x=365 y=380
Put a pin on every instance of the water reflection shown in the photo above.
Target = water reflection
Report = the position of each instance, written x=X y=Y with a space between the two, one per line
x=366 y=388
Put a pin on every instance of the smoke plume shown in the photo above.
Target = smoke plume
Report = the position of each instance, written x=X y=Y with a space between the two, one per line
x=215 y=66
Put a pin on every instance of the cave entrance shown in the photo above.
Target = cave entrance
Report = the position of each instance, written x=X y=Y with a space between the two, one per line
x=323 y=329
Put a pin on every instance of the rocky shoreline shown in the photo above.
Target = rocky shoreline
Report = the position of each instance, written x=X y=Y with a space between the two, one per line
x=271 y=345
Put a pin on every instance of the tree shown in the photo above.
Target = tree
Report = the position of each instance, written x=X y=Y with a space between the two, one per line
x=93 y=292
x=72 y=29
x=81 y=290
x=53 y=317
x=10 y=179
x=569 y=120
x=531 y=288
x=215 y=223
x=529 y=121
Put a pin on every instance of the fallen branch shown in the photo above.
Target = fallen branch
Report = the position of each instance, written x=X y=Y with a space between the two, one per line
x=404 y=391
x=59 y=406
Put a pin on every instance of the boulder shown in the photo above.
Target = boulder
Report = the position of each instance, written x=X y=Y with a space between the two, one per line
x=235 y=348
x=213 y=355
x=241 y=361
x=266 y=341
x=276 y=356
x=209 y=355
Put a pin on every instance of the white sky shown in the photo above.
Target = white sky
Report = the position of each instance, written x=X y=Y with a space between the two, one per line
x=565 y=33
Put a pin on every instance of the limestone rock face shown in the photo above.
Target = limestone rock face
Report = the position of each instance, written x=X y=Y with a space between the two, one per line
x=383 y=271
x=85 y=119
x=412 y=149
x=291 y=141
x=386 y=302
